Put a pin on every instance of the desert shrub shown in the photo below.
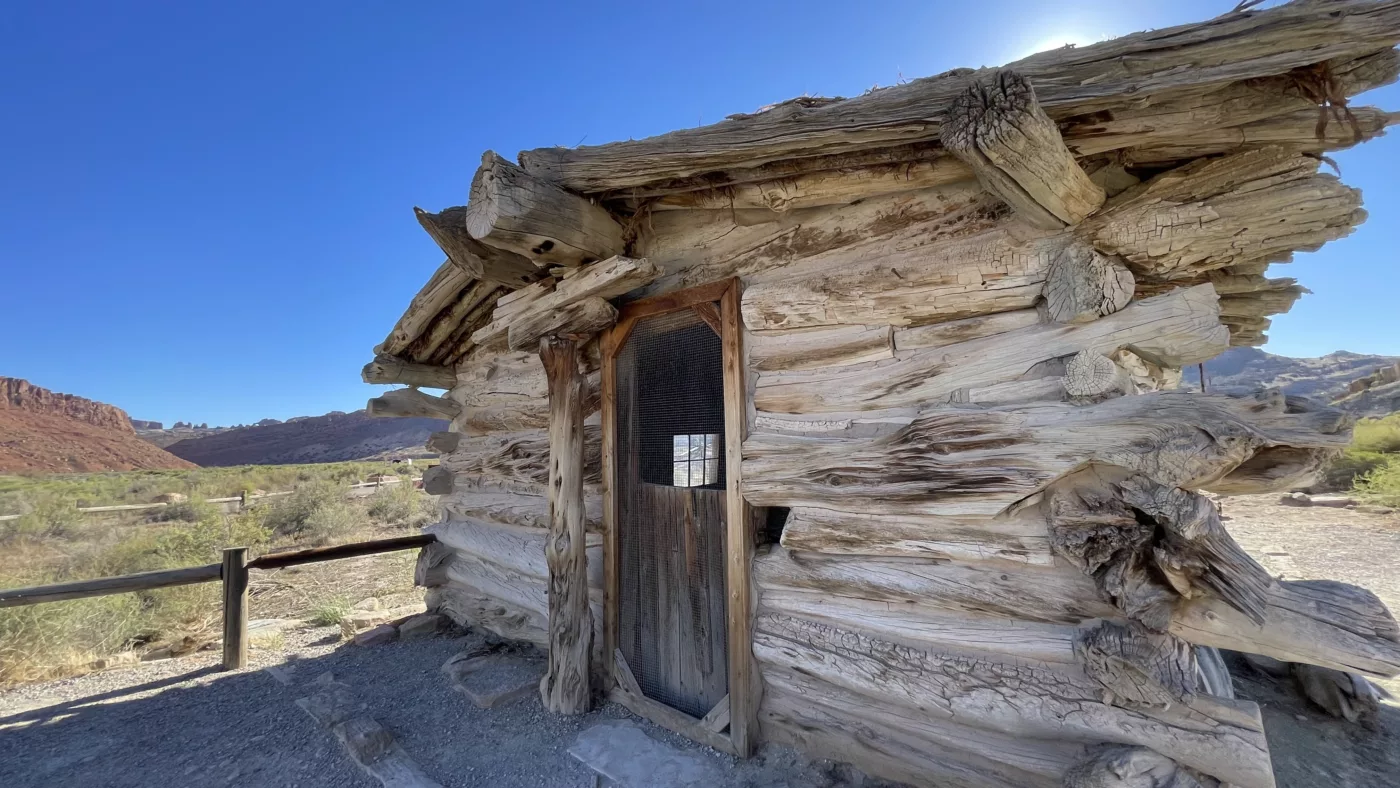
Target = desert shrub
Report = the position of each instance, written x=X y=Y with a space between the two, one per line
x=1377 y=435
x=47 y=517
x=402 y=504
x=1382 y=483
x=1344 y=472
x=330 y=612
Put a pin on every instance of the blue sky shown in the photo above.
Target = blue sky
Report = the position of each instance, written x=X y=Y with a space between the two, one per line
x=206 y=209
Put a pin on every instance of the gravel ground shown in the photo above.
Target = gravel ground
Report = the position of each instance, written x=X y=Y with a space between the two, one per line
x=1309 y=748
x=182 y=723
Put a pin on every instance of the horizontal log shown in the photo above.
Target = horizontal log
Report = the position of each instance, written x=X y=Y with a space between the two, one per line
x=958 y=331
x=391 y=369
x=1224 y=739
x=519 y=456
x=1215 y=213
x=471 y=607
x=1317 y=622
x=412 y=403
x=513 y=210
x=81 y=589
x=480 y=261
x=1179 y=328
x=897 y=743
x=515 y=547
x=444 y=336
x=1057 y=595
x=997 y=127
x=530 y=511
x=1020 y=537
x=579 y=318
x=924 y=624
x=961 y=461
x=589 y=286
x=1069 y=82
x=897 y=281
x=813 y=182
x=807 y=348
x=335 y=552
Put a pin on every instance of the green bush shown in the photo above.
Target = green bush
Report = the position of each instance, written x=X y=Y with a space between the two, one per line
x=1380 y=436
x=1382 y=483
x=329 y=613
x=1344 y=472
x=402 y=504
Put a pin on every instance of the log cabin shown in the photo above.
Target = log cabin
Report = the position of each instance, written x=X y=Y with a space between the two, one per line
x=854 y=424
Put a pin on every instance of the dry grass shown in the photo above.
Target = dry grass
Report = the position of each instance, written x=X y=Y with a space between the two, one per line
x=52 y=543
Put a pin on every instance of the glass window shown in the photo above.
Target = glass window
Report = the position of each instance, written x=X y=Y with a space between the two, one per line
x=694 y=460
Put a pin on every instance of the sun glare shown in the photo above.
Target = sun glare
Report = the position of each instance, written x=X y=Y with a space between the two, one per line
x=1058 y=40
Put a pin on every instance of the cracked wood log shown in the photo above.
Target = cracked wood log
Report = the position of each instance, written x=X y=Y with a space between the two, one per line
x=1224 y=739
x=480 y=261
x=997 y=127
x=512 y=508
x=1083 y=285
x=1071 y=83
x=1179 y=328
x=521 y=549
x=1318 y=622
x=1116 y=766
x=1090 y=374
x=513 y=210
x=899 y=743
x=412 y=403
x=391 y=369
x=519 y=457
x=806 y=348
x=570 y=305
x=957 y=461
x=1215 y=213
x=1162 y=556
x=566 y=688
x=1020 y=537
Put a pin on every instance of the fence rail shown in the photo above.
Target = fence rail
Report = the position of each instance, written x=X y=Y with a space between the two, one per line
x=232 y=572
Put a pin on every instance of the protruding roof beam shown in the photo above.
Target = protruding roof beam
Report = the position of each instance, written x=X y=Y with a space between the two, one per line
x=999 y=129
x=479 y=260
x=513 y=210
x=391 y=369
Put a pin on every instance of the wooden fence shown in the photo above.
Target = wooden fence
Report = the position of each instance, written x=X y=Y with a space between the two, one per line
x=232 y=571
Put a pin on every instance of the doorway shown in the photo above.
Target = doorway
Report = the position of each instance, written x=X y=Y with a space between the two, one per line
x=678 y=544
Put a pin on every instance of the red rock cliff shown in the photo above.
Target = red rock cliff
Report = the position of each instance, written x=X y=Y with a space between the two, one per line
x=21 y=395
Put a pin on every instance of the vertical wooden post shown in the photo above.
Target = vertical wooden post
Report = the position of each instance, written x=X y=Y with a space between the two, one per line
x=745 y=686
x=235 y=576
x=565 y=688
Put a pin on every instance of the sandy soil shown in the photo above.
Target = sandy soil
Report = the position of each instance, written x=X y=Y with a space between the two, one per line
x=1309 y=748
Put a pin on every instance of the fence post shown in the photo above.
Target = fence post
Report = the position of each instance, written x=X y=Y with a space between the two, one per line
x=235 y=576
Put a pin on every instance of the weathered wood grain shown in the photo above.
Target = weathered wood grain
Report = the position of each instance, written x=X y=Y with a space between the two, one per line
x=448 y=230
x=1179 y=328
x=513 y=210
x=997 y=127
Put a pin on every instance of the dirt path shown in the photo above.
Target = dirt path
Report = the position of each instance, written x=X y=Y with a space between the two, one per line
x=179 y=723
x=1309 y=748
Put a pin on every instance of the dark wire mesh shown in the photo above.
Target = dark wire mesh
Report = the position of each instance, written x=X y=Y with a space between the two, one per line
x=671 y=511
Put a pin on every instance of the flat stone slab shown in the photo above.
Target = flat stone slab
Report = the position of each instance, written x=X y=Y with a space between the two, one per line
x=494 y=680
x=622 y=752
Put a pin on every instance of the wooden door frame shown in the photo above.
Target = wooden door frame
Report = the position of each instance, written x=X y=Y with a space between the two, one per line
x=737 y=710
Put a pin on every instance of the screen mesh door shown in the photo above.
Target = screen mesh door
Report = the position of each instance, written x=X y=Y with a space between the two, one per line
x=671 y=510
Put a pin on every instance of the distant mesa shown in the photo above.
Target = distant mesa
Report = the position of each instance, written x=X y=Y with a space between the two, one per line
x=334 y=437
x=1364 y=385
x=139 y=424
x=48 y=432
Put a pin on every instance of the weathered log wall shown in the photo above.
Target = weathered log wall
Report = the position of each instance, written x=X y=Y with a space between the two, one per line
x=995 y=568
x=496 y=512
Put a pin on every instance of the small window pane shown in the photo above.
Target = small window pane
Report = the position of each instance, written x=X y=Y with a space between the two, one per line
x=695 y=460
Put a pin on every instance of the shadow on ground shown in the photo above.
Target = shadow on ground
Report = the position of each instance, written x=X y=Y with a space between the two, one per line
x=209 y=728
x=1310 y=748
